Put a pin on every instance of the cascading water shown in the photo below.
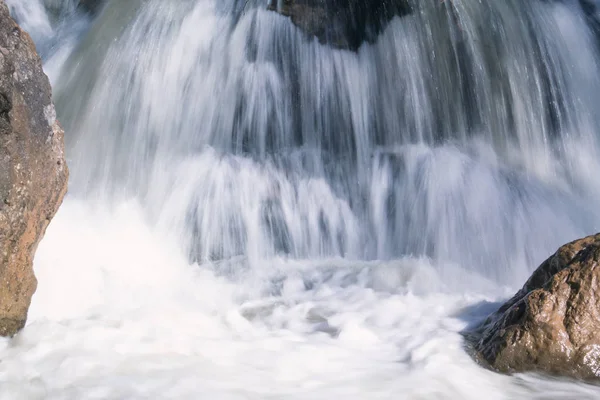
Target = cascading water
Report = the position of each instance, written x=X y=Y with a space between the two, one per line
x=255 y=215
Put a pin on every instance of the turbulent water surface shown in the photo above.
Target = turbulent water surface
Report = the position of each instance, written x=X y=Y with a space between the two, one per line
x=254 y=215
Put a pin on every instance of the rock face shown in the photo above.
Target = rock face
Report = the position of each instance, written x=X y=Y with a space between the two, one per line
x=341 y=23
x=552 y=325
x=33 y=172
x=91 y=6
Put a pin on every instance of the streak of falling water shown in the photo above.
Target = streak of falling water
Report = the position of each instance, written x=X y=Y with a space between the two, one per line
x=371 y=196
x=457 y=135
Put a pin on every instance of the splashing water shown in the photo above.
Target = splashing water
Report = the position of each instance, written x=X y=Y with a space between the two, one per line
x=255 y=215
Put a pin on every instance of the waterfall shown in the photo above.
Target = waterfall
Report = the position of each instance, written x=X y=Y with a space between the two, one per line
x=217 y=149
x=319 y=153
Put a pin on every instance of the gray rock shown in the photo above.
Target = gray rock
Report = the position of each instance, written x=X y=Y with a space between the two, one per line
x=91 y=6
x=341 y=23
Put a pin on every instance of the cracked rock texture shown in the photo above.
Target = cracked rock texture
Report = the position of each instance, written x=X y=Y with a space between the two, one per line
x=33 y=172
x=552 y=325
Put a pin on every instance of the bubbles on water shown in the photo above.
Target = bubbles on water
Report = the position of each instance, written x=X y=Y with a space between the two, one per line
x=120 y=313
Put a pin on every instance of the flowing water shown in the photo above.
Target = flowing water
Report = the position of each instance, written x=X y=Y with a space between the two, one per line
x=254 y=215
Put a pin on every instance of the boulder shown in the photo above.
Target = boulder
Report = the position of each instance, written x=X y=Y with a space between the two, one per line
x=33 y=172
x=341 y=23
x=552 y=325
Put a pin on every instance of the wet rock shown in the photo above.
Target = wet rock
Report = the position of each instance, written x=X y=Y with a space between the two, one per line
x=552 y=325
x=33 y=173
x=91 y=6
x=341 y=23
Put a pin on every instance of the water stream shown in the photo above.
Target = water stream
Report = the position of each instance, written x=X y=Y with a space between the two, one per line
x=254 y=215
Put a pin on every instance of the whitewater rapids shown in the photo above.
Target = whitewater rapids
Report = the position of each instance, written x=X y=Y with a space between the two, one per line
x=253 y=215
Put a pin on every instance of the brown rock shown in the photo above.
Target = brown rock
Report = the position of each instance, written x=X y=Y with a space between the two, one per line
x=33 y=172
x=552 y=325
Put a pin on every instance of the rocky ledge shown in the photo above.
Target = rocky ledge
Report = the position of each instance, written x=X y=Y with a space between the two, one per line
x=341 y=23
x=552 y=325
x=33 y=172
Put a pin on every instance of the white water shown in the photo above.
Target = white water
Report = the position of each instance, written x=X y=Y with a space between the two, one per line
x=252 y=215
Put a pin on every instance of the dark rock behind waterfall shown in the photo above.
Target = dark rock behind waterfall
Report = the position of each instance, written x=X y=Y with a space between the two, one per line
x=341 y=23
x=33 y=173
x=552 y=325
x=91 y=6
